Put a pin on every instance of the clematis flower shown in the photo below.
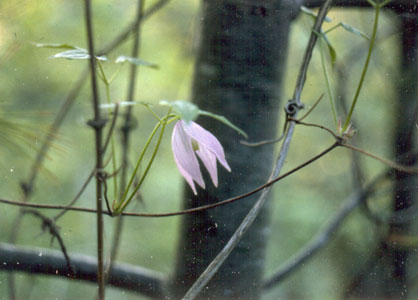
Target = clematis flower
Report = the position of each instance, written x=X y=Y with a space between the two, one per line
x=191 y=139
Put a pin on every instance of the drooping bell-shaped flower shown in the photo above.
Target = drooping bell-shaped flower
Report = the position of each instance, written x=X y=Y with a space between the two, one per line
x=189 y=139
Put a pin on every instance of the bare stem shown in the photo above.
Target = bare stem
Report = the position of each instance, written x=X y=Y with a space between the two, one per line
x=97 y=124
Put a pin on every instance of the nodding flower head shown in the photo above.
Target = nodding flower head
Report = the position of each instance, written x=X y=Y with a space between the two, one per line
x=189 y=139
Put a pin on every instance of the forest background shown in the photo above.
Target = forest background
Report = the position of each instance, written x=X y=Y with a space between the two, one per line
x=33 y=86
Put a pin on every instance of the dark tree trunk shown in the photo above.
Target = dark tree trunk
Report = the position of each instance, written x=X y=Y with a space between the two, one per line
x=405 y=187
x=238 y=74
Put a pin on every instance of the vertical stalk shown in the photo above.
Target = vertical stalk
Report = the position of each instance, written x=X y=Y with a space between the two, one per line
x=366 y=65
x=127 y=127
x=328 y=81
x=97 y=124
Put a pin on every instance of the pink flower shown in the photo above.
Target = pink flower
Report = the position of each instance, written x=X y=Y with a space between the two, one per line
x=191 y=139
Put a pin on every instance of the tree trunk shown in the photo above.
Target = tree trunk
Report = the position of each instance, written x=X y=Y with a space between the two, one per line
x=238 y=74
x=405 y=187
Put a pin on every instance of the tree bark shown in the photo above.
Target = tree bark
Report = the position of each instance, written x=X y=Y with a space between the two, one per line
x=405 y=187
x=238 y=74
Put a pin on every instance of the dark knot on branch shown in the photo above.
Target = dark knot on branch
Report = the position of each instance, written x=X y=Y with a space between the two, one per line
x=97 y=124
x=292 y=107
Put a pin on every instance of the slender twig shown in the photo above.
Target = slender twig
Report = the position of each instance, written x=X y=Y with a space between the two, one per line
x=266 y=142
x=312 y=108
x=213 y=267
x=183 y=212
x=406 y=169
x=323 y=236
x=127 y=31
x=297 y=121
x=51 y=262
x=127 y=127
x=97 y=124
x=111 y=128
x=54 y=231
x=80 y=192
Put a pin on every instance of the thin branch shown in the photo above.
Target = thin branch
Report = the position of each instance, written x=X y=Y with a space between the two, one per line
x=80 y=192
x=127 y=127
x=127 y=31
x=183 y=212
x=51 y=262
x=317 y=126
x=406 y=169
x=111 y=129
x=97 y=125
x=267 y=142
x=54 y=231
x=324 y=236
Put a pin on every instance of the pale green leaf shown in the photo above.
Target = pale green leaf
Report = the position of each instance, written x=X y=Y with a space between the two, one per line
x=135 y=61
x=186 y=110
x=223 y=120
x=76 y=54
x=354 y=30
x=331 y=50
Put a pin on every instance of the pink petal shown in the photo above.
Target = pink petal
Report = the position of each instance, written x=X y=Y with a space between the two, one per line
x=209 y=160
x=205 y=139
x=185 y=157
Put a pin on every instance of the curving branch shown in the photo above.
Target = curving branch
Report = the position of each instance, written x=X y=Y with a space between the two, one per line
x=52 y=262
x=324 y=236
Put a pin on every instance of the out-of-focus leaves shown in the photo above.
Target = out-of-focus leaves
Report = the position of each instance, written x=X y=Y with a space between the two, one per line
x=77 y=54
x=136 y=61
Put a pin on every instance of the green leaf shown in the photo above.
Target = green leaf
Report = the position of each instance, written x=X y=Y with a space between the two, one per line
x=186 y=110
x=354 y=30
x=56 y=46
x=189 y=112
x=136 y=61
x=331 y=50
x=76 y=54
x=311 y=13
x=223 y=120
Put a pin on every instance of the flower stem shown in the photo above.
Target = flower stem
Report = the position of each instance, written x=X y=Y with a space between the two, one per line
x=366 y=65
x=148 y=166
x=112 y=140
x=328 y=81
x=118 y=207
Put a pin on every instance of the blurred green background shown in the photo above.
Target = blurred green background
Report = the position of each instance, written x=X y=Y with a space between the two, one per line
x=33 y=86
